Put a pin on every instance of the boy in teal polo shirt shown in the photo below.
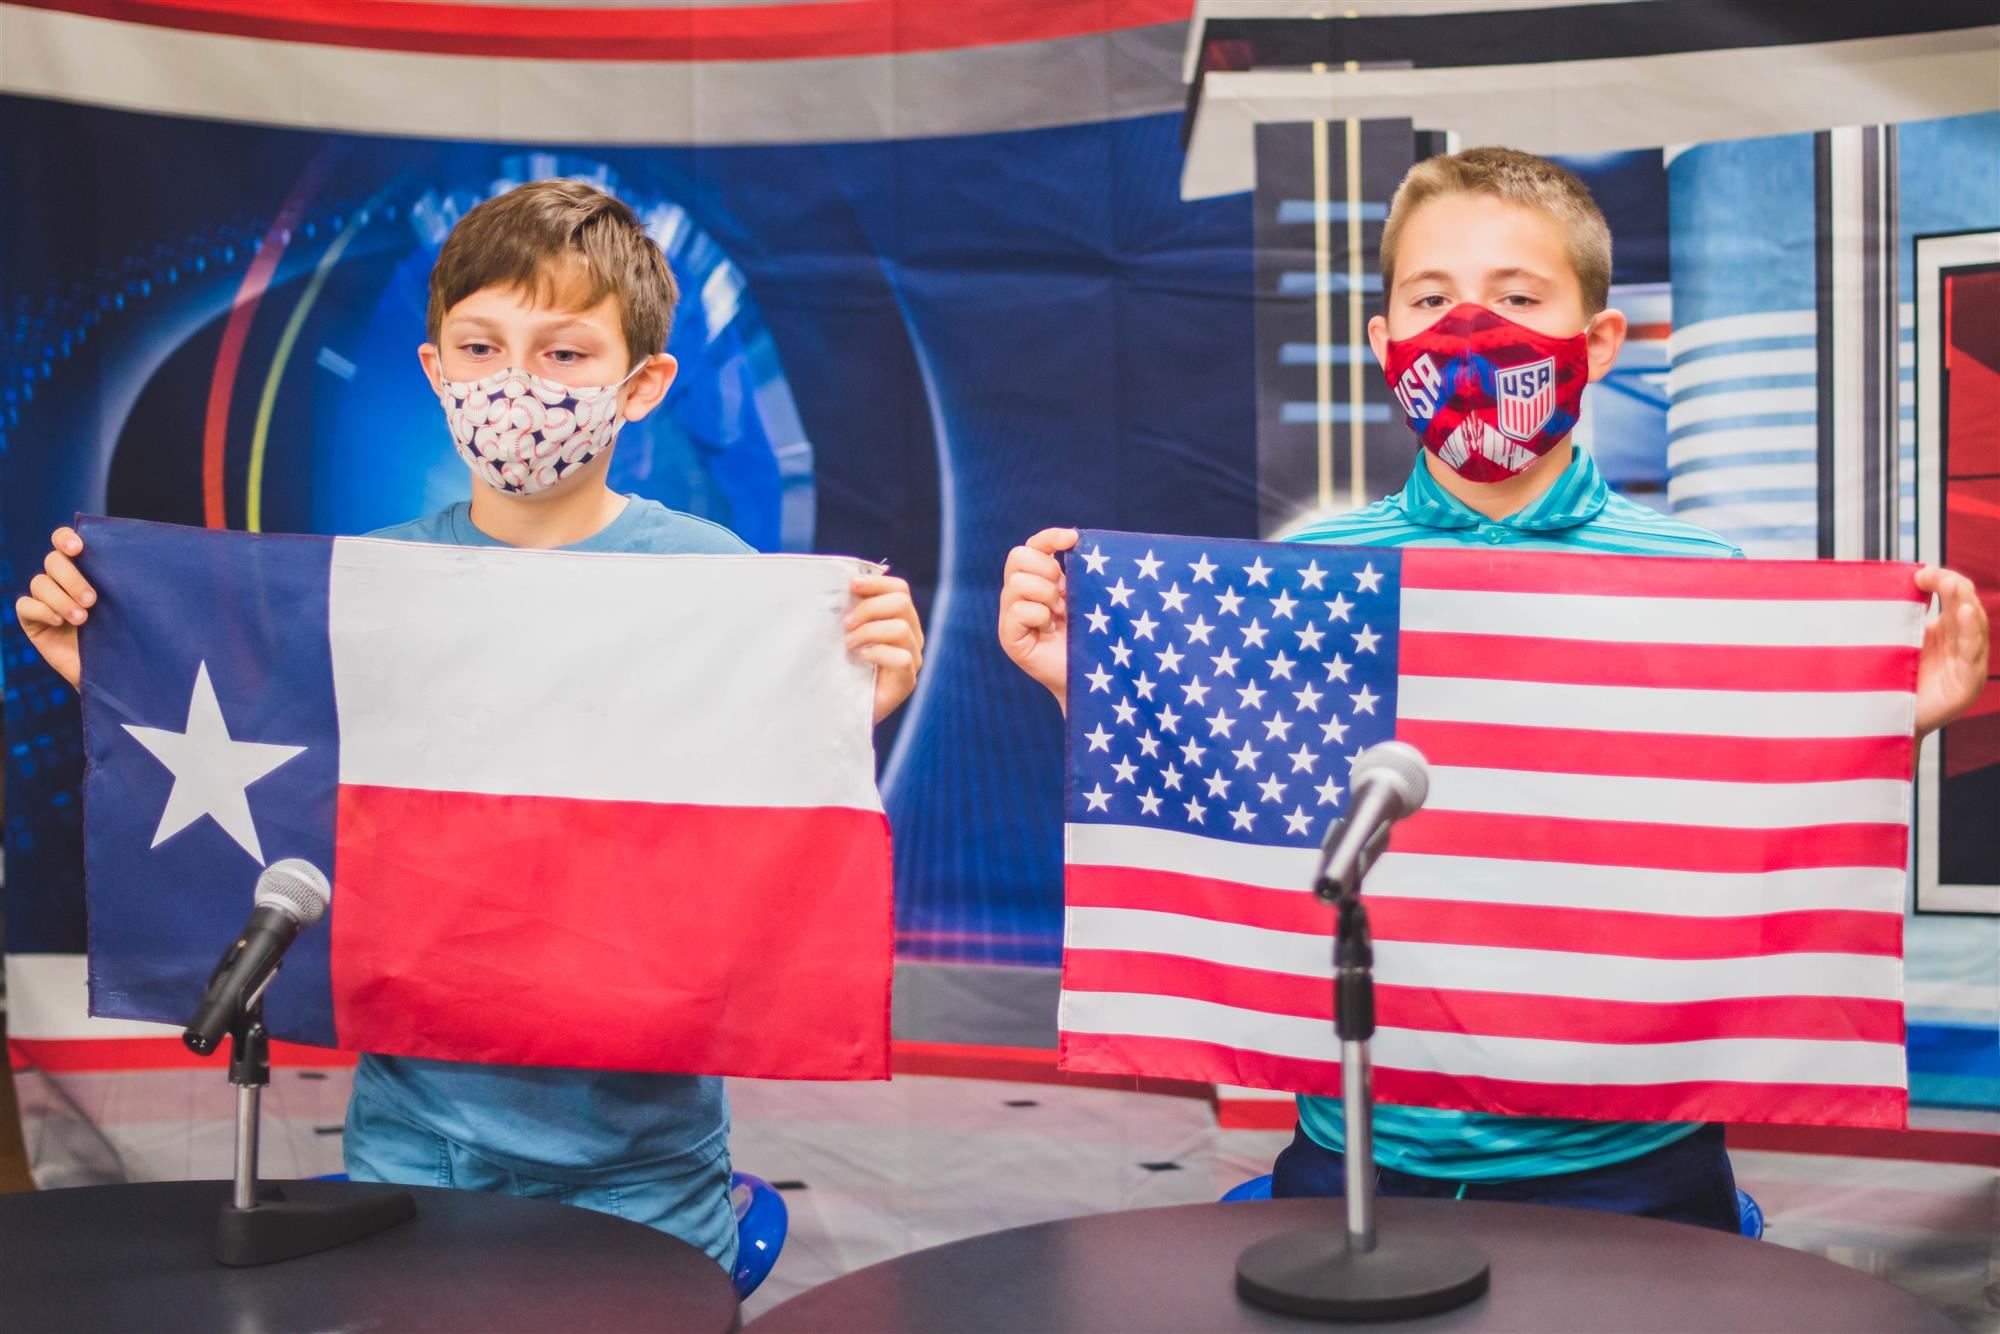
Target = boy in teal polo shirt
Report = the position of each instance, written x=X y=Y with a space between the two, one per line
x=1503 y=258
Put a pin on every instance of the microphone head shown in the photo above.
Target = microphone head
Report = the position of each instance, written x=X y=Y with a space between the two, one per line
x=294 y=886
x=1399 y=766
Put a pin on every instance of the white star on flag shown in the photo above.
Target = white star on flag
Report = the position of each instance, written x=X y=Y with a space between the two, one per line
x=1277 y=729
x=1100 y=621
x=1126 y=711
x=1098 y=798
x=1148 y=567
x=1193 y=751
x=1199 y=630
x=1220 y=722
x=1126 y=770
x=1272 y=789
x=1365 y=640
x=1329 y=793
x=1099 y=679
x=1218 y=786
x=1258 y=572
x=1364 y=700
x=1333 y=730
x=1312 y=575
x=1149 y=804
x=1281 y=666
x=1246 y=758
x=1173 y=599
x=1340 y=608
x=1170 y=659
x=1099 y=738
x=1229 y=600
x=1250 y=696
x=1243 y=816
x=1122 y=652
x=1337 y=668
x=1095 y=559
x=1144 y=626
x=1204 y=569
x=1298 y=822
x=1282 y=605
x=1121 y=593
x=1303 y=759
x=1308 y=698
x=1309 y=638
x=1225 y=663
x=212 y=772
x=1369 y=579
x=1197 y=812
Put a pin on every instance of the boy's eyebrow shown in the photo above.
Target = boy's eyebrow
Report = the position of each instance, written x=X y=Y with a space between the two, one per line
x=1424 y=276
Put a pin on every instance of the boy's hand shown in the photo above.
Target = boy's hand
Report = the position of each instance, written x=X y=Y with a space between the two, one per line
x=882 y=628
x=1952 y=668
x=1034 y=627
x=58 y=601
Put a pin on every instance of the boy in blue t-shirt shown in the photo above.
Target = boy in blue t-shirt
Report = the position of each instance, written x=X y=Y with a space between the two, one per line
x=1504 y=257
x=548 y=309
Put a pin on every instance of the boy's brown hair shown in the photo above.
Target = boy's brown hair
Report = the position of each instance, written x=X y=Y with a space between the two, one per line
x=1519 y=178
x=568 y=245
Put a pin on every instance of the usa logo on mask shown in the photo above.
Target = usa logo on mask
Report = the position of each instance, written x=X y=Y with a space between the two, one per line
x=1527 y=396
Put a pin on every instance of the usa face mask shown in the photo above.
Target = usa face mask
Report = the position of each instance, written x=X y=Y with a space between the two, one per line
x=521 y=434
x=1486 y=395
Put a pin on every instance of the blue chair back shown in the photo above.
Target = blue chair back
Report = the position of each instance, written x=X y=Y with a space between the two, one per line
x=1256 y=1188
x=1749 y=1215
x=762 y=1220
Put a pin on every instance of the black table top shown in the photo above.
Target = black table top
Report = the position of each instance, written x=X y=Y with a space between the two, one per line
x=1554 y=1270
x=108 y=1258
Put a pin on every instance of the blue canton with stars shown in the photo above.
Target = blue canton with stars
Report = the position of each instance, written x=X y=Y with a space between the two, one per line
x=1225 y=687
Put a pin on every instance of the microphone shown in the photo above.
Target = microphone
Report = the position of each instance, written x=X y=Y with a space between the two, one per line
x=291 y=896
x=1389 y=783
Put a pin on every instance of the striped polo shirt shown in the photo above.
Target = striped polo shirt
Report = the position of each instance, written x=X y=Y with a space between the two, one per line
x=1579 y=513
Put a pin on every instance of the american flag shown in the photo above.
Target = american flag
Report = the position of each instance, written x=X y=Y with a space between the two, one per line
x=1660 y=875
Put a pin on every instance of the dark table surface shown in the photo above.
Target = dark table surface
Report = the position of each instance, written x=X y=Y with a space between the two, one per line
x=1554 y=1270
x=108 y=1258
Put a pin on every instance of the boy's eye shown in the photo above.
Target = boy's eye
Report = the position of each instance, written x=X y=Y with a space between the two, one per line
x=564 y=356
x=1430 y=301
x=476 y=349
x=1518 y=300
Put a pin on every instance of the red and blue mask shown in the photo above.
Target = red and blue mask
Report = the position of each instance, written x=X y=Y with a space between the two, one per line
x=1486 y=395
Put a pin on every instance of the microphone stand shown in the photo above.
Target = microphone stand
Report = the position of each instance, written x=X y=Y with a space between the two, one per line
x=262 y=1225
x=1356 y=1274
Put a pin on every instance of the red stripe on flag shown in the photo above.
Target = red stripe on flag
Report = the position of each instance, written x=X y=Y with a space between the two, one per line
x=1796 y=1104
x=1652 y=576
x=687 y=939
x=1725 y=759
x=1543 y=838
x=1583 y=662
x=652 y=32
x=1517 y=926
x=1491 y=1013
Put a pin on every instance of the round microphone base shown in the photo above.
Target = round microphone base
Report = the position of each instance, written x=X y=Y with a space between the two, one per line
x=1411 y=1272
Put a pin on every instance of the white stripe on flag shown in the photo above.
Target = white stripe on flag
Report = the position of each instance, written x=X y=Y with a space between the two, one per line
x=1713 y=1060
x=1751 y=713
x=1678 y=801
x=1499 y=880
x=704 y=680
x=1611 y=977
x=1664 y=620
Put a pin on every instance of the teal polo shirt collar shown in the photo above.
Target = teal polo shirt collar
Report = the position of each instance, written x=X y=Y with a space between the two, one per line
x=1576 y=498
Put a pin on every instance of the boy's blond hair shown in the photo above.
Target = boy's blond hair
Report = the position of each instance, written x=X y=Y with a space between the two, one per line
x=1519 y=178
x=568 y=245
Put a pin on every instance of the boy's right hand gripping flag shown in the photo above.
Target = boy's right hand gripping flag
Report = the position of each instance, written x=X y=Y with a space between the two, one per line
x=603 y=811
x=1659 y=877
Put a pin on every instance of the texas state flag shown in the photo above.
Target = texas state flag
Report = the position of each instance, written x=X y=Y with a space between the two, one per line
x=607 y=811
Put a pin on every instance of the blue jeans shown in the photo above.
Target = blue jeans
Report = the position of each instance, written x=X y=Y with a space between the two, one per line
x=691 y=1203
x=1688 y=1181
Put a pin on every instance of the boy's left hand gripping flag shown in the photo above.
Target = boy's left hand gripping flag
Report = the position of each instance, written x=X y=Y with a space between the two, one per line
x=603 y=811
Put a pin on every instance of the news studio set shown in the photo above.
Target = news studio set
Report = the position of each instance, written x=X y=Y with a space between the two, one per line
x=1000 y=665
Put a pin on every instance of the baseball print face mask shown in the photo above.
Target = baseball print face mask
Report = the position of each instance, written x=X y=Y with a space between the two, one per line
x=1486 y=395
x=522 y=434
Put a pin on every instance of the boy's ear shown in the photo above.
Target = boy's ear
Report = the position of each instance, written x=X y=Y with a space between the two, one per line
x=650 y=385
x=427 y=353
x=1378 y=339
x=1603 y=338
